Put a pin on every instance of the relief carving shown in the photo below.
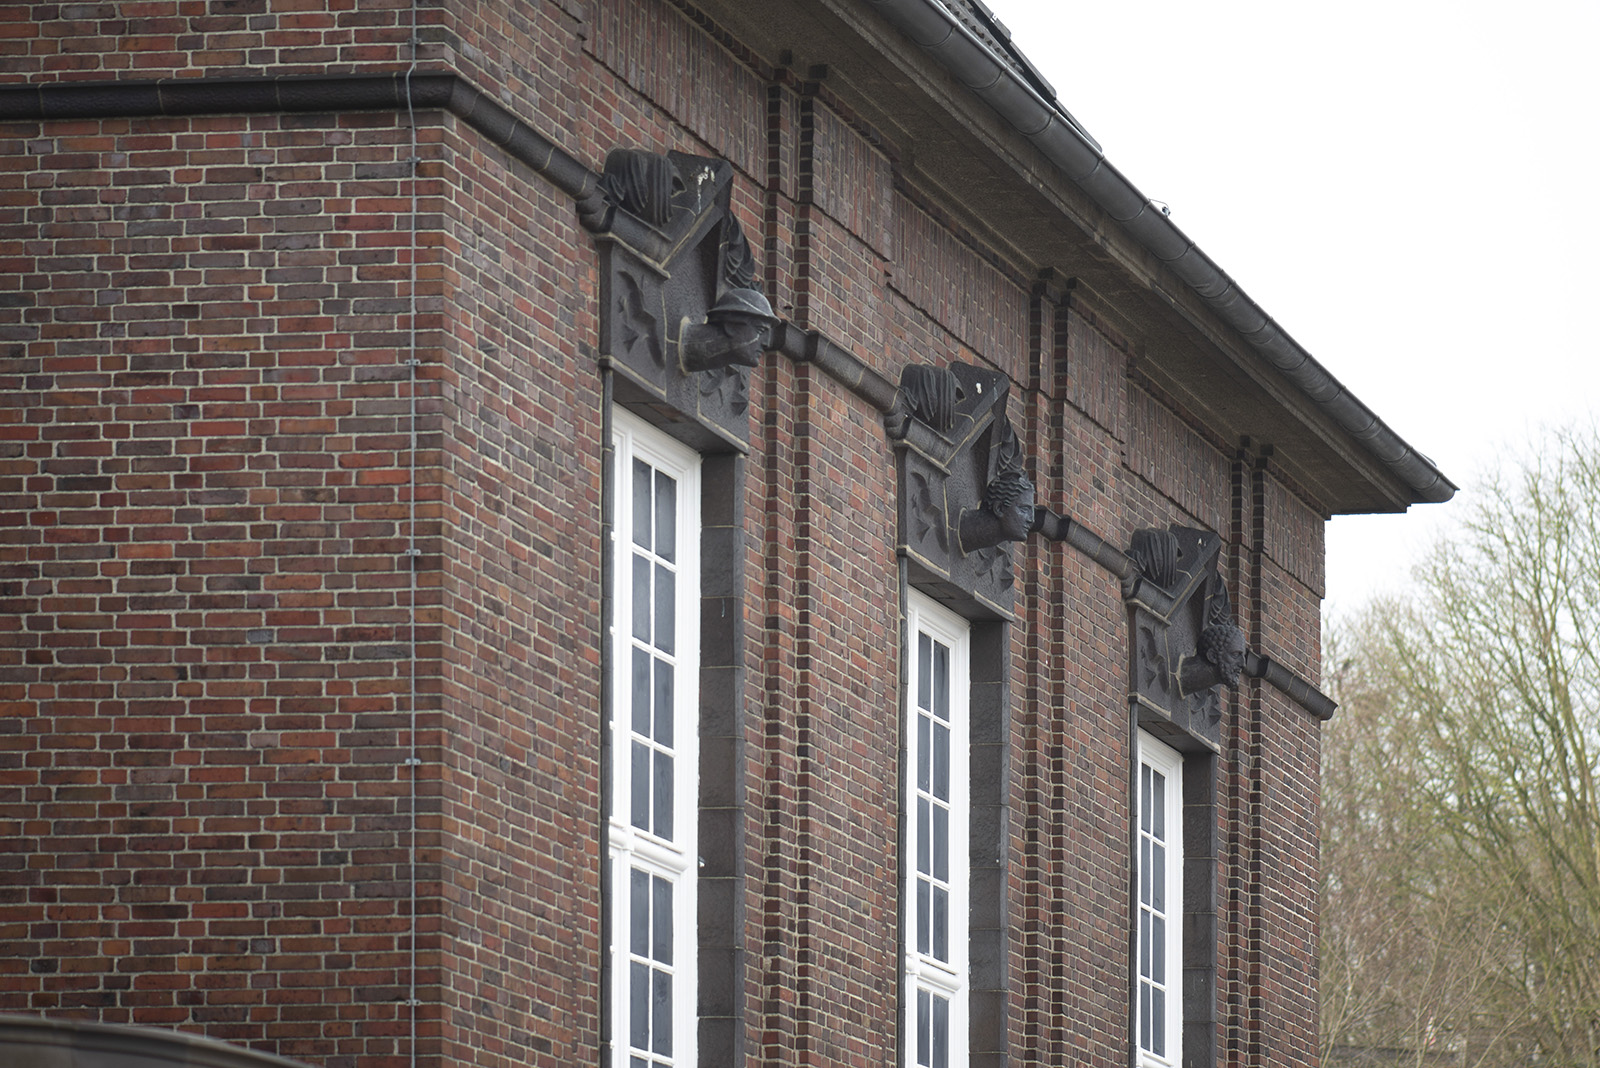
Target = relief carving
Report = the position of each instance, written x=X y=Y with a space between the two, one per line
x=685 y=318
x=964 y=491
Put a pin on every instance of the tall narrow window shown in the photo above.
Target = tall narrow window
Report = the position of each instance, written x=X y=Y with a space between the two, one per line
x=652 y=817
x=1158 y=1010
x=937 y=814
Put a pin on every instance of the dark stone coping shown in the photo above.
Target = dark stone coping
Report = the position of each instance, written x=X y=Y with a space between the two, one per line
x=45 y=1042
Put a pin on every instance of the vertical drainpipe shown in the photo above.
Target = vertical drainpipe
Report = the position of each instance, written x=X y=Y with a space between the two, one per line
x=413 y=554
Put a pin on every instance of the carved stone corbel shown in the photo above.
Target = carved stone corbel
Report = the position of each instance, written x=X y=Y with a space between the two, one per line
x=1185 y=643
x=964 y=492
x=682 y=320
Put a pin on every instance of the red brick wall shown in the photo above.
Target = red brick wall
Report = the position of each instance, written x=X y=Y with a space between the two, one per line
x=207 y=490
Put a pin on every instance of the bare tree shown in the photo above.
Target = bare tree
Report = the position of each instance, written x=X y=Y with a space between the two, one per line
x=1477 y=708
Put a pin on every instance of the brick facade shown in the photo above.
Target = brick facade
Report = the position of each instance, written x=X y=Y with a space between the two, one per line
x=302 y=415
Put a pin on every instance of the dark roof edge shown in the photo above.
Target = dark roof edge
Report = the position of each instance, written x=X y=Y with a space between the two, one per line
x=1056 y=134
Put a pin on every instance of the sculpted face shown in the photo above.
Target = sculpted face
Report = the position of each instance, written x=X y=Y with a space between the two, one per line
x=1230 y=656
x=1016 y=516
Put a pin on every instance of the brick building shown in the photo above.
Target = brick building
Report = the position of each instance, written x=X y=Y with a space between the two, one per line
x=642 y=532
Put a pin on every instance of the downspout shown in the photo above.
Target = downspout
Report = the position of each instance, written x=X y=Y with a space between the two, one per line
x=1062 y=141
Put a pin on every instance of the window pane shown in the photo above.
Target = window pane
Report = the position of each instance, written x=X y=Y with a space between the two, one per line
x=924 y=671
x=924 y=837
x=661 y=919
x=663 y=795
x=1144 y=871
x=941 y=762
x=1158 y=1023
x=1158 y=878
x=924 y=753
x=941 y=1032
x=641 y=692
x=924 y=911
x=641 y=598
x=941 y=924
x=663 y=703
x=1144 y=1016
x=661 y=1005
x=1144 y=798
x=941 y=681
x=640 y=786
x=641 y=503
x=924 y=1027
x=666 y=609
x=666 y=516
x=941 y=843
x=1158 y=804
x=639 y=1005
x=1144 y=943
x=639 y=912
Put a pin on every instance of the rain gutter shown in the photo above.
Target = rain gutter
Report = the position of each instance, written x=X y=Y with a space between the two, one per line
x=1079 y=157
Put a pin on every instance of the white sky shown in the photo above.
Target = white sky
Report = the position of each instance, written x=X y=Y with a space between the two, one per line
x=1406 y=186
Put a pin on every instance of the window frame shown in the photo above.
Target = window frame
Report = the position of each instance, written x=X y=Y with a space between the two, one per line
x=924 y=973
x=633 y=848
x=1159 y=758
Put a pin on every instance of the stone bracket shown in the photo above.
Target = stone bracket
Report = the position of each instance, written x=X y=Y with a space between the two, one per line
x=681 y=321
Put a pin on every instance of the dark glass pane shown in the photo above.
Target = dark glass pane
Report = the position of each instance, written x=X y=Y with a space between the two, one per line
x=1159 y=804
x=941 y=762
x=638 y=1006
x=661 y=1006
x=1144 y=1016
x=924 y=671
x=1144 y=798
x=941 y=843
x=941 y=924
x=924 y=753
x=941 y=1033
x=641 y=692
x=640 y=786
x=639 y=912
x=663 y=702
x=1158 y=949
x=924 y=1027
x=924 y=912
x=641 y=503
x=666 y=609
x=1144 y=944
x=1158 y=878
x=941 y=681
x=641 y=598
x=663 y=796
x=1144 y=870
x=638 y=1062
x=666 y=516
x=661 y=920
x=1158 y=1023
x=924 y=837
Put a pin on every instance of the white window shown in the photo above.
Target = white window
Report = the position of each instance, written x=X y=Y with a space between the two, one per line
x=1158 y=1015
x=937 y=770
x=652 y=809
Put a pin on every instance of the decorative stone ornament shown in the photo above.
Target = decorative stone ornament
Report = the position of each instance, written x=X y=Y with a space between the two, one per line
x=1185 y=642
x=963 y=490
x=681 y=320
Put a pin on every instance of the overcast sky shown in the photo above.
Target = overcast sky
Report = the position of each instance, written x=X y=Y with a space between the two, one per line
x=1406 y=186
